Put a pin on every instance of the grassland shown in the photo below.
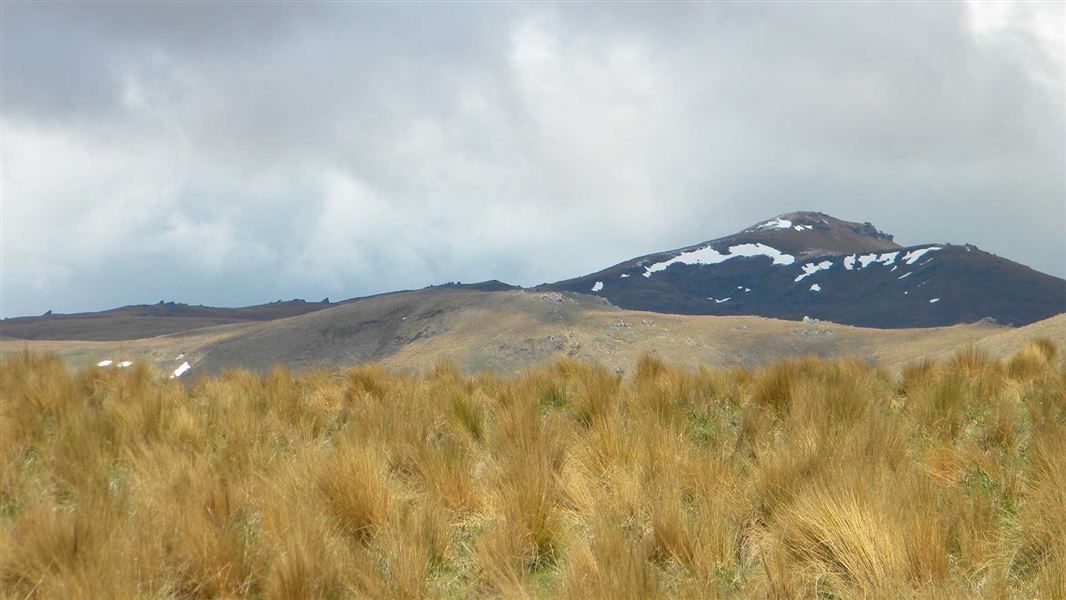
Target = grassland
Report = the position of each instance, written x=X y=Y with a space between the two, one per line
x=802 y=478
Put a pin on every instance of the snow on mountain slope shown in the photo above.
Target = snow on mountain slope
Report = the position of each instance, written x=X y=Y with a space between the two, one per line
x=861 y=276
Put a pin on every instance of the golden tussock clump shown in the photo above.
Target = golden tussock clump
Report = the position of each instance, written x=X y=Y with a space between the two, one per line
x=805 y=478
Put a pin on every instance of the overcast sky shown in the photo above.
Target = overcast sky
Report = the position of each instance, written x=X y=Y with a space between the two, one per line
x=232 y=154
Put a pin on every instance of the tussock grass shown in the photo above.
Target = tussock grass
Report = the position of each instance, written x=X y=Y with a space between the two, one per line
x=805 y=478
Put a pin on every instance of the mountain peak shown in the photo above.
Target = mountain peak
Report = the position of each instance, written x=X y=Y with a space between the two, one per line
x=809 y=220
x=810 y=233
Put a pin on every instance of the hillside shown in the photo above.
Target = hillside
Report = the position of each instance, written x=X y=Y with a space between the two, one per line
x=147 y=320
x=506 y=331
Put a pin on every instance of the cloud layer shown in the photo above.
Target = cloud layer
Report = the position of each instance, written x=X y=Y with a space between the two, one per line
x=231 y=154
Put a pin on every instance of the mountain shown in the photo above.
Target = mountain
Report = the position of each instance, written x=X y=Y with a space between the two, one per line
x=907 y=302
x=809 y=264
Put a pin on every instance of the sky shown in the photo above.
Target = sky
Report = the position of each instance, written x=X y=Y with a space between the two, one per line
x=238 y=153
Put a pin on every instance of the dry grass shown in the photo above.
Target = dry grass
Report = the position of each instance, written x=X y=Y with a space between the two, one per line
x=805 y=478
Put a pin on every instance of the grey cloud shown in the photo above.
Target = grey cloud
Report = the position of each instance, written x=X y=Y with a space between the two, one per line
x=237 y=153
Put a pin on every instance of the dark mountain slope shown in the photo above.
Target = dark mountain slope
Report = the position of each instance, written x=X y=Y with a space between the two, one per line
x=810 y=264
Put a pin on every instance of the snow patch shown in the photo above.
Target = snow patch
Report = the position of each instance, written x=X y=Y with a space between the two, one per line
x=709 y=256
x=904 y=276
x=866 y=259
x=774 y=224
x=912 y=257
x=816 y=288
x=597 y=286
x=104 y=363
x=888 y=258
x=720 y=301
x=934 y=300
x=624 y=275
x=802 y=227
x=125 y=363
x=185 y=366
x=812 y=268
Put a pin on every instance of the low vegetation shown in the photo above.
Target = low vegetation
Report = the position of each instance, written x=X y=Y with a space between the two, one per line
x=804 y=478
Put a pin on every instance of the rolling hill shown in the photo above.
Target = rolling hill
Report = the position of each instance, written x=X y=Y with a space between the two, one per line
x=508 y=330
x=147 y=320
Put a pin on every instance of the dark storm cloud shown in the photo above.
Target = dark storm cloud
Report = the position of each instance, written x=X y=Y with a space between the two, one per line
x=237 y=153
